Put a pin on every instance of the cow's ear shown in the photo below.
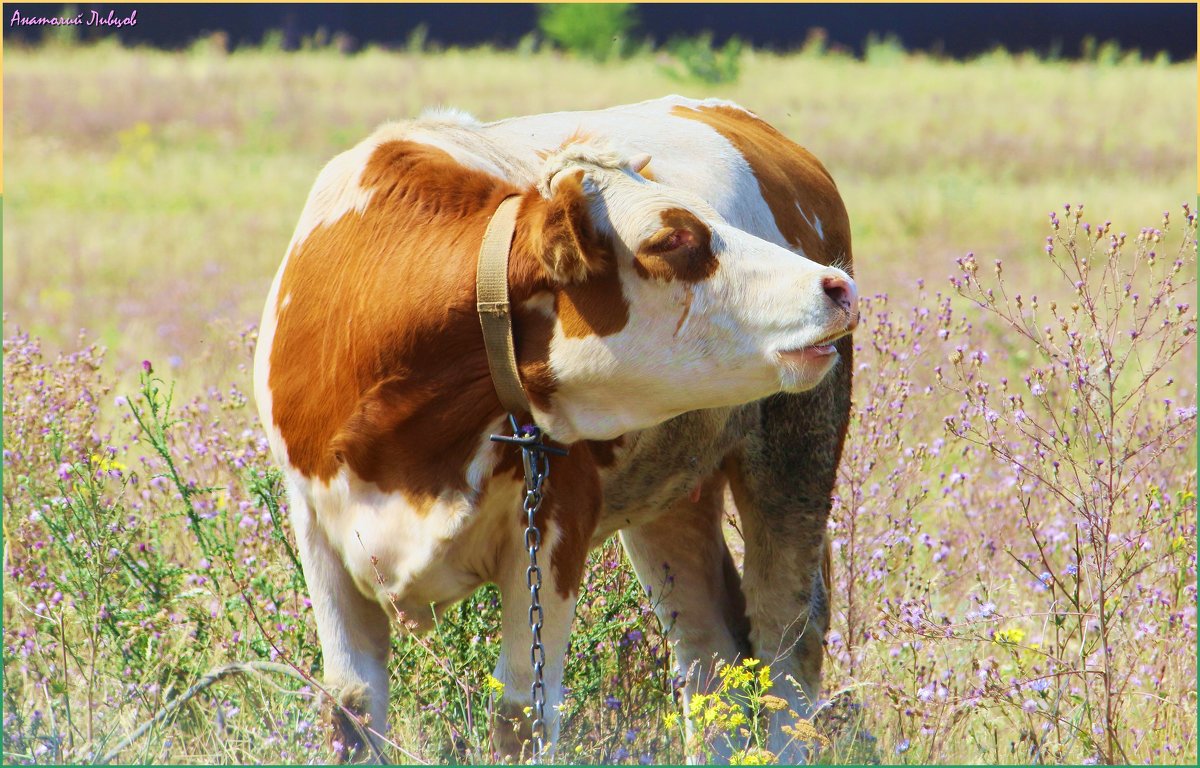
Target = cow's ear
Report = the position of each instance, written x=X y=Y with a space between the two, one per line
x=566 y=239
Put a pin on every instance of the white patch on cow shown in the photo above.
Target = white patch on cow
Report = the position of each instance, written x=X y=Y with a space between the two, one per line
x=409 y=555
x=814 y=223
x=541 y=302
x=480 y=466
x=262 y=371
x=338 y=189
x=389 y=544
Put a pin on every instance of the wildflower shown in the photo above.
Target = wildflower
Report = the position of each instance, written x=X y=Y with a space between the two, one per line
x=494 y=686
x=764 y=677
x=1029 y=706
x=752 y=756
x=903 y=746
x=1009 y=636
x=773 y=703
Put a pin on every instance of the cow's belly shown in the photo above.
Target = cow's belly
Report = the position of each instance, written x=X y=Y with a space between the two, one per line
x=411 y=556
x=658 y=466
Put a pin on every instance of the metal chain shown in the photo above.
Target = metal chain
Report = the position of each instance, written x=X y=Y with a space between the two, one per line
x=537 y=469
x=534 y=455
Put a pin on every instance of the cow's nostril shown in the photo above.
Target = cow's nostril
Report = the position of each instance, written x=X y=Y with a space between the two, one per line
x=841 y=291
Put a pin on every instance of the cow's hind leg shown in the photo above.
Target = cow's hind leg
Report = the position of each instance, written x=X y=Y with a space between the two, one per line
x=682 y=558
x=782 y=478
x=354 y=632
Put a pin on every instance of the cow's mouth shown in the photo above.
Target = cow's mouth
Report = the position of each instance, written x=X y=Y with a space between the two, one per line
x=813 y=353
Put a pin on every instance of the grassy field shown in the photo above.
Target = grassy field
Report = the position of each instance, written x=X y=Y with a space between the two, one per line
x=1014 y=530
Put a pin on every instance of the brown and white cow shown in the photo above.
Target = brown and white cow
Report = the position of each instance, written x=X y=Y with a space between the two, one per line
x=681 y=328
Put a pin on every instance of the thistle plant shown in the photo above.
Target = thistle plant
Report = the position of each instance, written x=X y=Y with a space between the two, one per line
x=1097 y=437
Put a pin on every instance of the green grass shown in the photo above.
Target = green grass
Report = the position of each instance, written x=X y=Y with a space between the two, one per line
x=150 y=196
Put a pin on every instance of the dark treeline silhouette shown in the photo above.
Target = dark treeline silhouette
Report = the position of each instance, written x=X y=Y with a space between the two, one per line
x=951 y=30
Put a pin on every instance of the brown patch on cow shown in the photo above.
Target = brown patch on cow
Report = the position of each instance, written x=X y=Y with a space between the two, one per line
x=578 y=136
x=559 y=233
x=681 y=250
x=571 y=504
x=595 y=308
x=688 y=296
x=604 y=451
x=381 y=334
x=381 y=326
x=532 y=332
x=573 y=495
x=788 y=176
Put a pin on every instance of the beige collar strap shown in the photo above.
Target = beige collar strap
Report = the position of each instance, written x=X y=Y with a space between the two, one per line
x=495 y=312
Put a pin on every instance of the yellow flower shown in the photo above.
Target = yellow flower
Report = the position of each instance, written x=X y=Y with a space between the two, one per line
x=764 y=677
x=671 y=719
x=104 y=465
x=1010 y=635
x=752 y=756
x=495 y=686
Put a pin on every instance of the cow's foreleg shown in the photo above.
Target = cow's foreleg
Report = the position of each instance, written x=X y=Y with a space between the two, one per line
x=682 y=558
x=512 y=722
x=354 y=632
x=782 y=480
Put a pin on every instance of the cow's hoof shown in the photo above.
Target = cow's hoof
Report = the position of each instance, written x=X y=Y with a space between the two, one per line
x=512 y=733
x=347 y=725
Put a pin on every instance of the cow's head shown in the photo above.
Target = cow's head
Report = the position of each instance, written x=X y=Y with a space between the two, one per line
x=659 y=306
